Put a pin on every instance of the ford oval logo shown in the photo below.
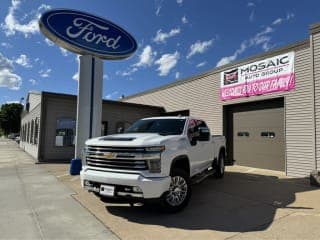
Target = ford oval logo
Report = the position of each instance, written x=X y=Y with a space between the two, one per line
x=84 y=33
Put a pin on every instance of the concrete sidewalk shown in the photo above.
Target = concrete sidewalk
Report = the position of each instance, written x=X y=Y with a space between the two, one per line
x=35 y=205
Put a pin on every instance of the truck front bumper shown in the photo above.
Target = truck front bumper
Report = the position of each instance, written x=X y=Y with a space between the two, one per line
x=123 y=184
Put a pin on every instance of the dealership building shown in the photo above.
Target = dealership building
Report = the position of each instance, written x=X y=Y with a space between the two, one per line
x=267 y=106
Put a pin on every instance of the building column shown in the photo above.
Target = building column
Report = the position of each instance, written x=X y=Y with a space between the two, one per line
x=89 y=101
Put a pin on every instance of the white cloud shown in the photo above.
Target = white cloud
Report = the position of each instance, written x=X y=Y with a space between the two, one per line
x=106 y=77
x=177 y=75
x=45 y=73
x=167 y=62
x=127 y=72
x=251 y=17
x=8 y=78
x=44 y=7
x=161 y=37
x=251 y=5
x=289 y=16
x=6 y=45
x=12 y=25
x=64 y=52
x=49 y=42
x=179 y=1
x=280 y=20
x=33 y=81
x=199 y=47
x=14 y=101
x=277 y=21
x=75 y=76
x=201 y=64
x=184 y=20
x=158 y=5
x=261 y=38
x=112 y=95
x=24 y=61
x=146 y=58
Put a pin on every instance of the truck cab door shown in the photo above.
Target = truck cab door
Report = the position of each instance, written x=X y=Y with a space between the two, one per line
x=200 y=151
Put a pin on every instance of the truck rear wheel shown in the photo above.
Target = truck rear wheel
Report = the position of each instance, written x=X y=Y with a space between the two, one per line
x=178 y=196
x=219 y=167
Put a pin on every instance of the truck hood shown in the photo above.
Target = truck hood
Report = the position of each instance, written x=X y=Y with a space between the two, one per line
x=130 y=140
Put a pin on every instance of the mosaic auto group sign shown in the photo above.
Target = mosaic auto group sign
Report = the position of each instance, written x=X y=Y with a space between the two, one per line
x=275 y=74
x=86 y=34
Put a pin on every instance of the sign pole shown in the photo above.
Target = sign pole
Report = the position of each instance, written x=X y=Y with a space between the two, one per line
x=89 y=101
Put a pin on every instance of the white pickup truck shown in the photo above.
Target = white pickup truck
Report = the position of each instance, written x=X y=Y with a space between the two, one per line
x=156 y=158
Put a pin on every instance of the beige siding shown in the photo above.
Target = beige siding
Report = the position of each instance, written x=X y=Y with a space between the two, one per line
x=201 y=97
x=316 y=58
x=29 y=147
x=299 y=119
x=34 y=100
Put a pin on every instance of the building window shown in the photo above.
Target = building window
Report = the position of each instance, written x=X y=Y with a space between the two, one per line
x=36 y=130
x=32 y=132
x=21 y=133
x=65 y=132
x=25 y=133
x=28 y=133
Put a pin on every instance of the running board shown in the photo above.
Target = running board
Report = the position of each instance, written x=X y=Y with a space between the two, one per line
x=201 y=176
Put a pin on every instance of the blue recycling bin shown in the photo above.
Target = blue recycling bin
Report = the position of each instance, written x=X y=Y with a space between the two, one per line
x=75 y=166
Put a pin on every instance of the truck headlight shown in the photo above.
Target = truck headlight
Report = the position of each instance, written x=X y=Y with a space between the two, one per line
x=154 y=165
x=155 y=149
x=154 y=158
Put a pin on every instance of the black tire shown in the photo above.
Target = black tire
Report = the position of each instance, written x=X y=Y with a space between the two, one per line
x=219 y=167
x=174 y=200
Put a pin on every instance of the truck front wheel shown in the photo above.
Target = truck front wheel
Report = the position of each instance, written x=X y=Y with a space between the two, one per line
x=179 y=192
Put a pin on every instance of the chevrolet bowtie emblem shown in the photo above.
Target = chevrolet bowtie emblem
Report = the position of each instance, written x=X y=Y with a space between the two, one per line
x=110 y=155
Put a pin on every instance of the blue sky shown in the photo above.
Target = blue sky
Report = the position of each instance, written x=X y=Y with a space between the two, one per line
x=176 y=39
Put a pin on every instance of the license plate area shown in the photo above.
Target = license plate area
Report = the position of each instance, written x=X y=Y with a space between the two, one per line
x=107 y=190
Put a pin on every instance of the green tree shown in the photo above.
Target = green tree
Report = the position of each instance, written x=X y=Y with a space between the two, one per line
x=10 y=117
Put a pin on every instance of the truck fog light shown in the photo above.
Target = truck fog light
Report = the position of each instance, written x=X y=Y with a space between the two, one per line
x=136 y=189
x=154 y=165
x=86 y=183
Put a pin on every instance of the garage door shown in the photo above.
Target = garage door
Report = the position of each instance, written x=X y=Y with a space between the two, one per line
x=258 y=135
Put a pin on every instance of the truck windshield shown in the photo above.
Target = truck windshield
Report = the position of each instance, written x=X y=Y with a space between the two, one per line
x=160 y=126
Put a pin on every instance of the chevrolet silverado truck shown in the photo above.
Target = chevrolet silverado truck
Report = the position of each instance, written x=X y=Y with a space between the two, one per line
x=156 y=158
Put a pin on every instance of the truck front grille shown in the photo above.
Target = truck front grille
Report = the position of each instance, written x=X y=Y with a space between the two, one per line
x=115 y=158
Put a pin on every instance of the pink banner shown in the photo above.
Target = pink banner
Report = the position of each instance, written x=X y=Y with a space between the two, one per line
x=274 y=84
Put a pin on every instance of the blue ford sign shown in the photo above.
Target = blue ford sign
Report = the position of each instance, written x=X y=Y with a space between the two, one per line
x=87 y=34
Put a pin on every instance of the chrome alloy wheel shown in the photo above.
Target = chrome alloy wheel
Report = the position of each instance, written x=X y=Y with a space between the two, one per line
x=177 y=192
